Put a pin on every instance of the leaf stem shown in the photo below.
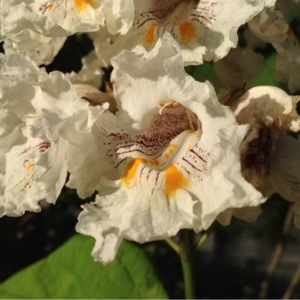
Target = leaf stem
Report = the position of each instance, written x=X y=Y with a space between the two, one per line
x=173 y=245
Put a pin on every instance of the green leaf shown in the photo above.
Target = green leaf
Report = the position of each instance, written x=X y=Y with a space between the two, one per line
x=202 y=72
x=70 y=272
x=268 y=75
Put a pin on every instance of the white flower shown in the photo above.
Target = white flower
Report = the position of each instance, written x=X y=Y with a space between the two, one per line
x=167 y=159
x=271 y=112
x=54 y=18
x=204 y=29
x=268 y=105
x=32 y=104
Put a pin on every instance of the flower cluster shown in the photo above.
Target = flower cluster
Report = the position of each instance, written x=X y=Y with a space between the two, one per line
x=160 y=150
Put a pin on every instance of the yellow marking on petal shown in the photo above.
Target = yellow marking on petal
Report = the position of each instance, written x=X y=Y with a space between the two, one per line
x=187 y=32
x=174 y=181
x=30 y=166
x=50 y=7
x=81 y=5
x=154 y=162
x=131 y=170
x=170 y=150
x=149 y=37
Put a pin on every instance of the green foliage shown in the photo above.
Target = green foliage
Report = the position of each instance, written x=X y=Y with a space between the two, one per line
x=202 y=72
x=70 y=272
x=268 y=75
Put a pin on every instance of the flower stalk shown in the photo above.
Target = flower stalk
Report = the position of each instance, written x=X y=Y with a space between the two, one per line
x=185 y=255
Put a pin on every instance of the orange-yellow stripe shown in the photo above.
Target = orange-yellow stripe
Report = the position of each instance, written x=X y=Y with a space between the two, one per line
x=30 y=166
x=150 y=35
x=187 y=32
x=81 y=5
x=174 y=180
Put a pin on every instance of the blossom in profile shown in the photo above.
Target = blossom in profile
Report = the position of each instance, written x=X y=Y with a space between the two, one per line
x=32 y=105
x=167 y=159
x=272 y=114
x=205 y=30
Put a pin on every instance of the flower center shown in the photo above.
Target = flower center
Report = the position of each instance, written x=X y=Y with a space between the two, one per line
x=176 y=11
x=164 y=155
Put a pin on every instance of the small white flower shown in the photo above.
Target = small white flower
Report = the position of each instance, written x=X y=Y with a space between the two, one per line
x=32 y=104
x=167 y=159
x=204 y=29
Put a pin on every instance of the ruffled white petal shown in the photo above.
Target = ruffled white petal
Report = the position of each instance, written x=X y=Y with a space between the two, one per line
x=36 y=47
x=33 y=164
x=172 y=150
x=268 y=105
x=119 y=15
x=52 y=18
x=86 y=158
x=90 y=73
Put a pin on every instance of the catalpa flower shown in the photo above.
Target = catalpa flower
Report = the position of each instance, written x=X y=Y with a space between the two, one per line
x=65 y=17
x=204 y=29
x=167 y=159
x=32 y=104
x=269 y=156
x=271 y=112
